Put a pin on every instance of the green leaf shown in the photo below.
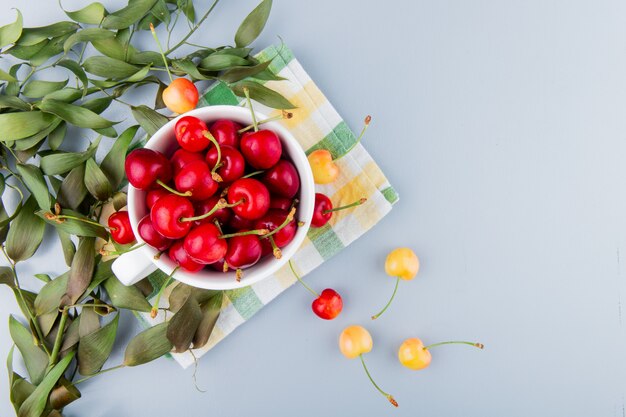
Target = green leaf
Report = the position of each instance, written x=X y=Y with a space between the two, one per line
x=96 y=182
x=14 y=126
x=33 y=178
x=113 y=163
x=161 y=12
x=26 y=233
x=87 y=35
x=126 y=297
x=218 y=62
x=89 y=322
x=13 y=88
x=49 y=297
x=210 y=313
x=66 y=95
x=95 y=348
x=109 y=132
x=81 y=270
x=11 y=32
x=71 y=334
x=253 y=24
x=130 y=14
x=73 y=190
x=75 y=68
x=187 y=7
x=103 y=272
x=149 y=119
x=6 y=276
x=51 y=49
x=147 y=346
x=56 y=137
x=69 y=249
x=26 y=52
x=239 y=73
x=76 y=227
x=91 y=14
x=61 y=396
x=113 y=48
x=263 y=95
x=20 y=391
x=240 y=52
x=75 y=115
x=107 y=67
x=60 y=162
x=183 y=325
x=189 y=67
x=9 y=102
x=35 y=358
x=5 y=76
x=38 y=88
x=45 y=278
x=31 y=141
x=31 y=36
x=36 y=403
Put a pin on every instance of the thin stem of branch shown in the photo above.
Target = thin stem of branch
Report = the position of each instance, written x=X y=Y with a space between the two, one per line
x=191 y=32
x=99 y=373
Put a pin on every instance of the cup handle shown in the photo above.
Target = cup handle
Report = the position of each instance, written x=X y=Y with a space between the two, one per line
x=132 y=267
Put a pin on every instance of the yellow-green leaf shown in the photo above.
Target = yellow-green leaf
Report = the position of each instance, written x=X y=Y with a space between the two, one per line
x=26 y=232
x=75 y=115
x=39 y=88
x=33 y=178
x=253 y=24
x=35 y=358
x=11 y=32
x=87 y=35
x=96 y=182
x=125 y=17
x=81 y=270
x=94 y=349
x=91 y=14
x=147 y=346
x=14 y=126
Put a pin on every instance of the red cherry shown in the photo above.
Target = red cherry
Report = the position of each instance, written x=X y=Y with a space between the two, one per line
x=119 y=225
x=189 y=133
x=204 y=206
x=144 y=167
x=219 y=266
x=167 y=214
x=255 y=197
x=281 y=203
x=226 y=132
x=272 y=220
x=243 y=251
x=262 y=149
x=178 y=254
x=196 y=177
x=238 y=223
x=233 y=164
x=153 y=195
x=204 y=245
x=328 y=305
x=282 y=179
x=320 y=217
x=149 y=234
x=182 y=157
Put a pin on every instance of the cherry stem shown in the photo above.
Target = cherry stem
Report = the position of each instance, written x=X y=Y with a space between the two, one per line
x=255 y=125
x=283 y=115
x=155 y=307
x=51 y=216
x=104 y=252
x=395 y=289
x=311 y=290
x=173 y=191
x=156 y=38
x=252 y=174
x=356 y=203
x=367 y=121
x=217 y=224
x=210 y=137
x=388 y=396
x=455 y=342
x=221 y=203
x=259 y=232
x=288 y=220
x=275 y=249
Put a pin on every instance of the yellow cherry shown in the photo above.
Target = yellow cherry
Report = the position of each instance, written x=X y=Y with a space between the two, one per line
x=324 y=168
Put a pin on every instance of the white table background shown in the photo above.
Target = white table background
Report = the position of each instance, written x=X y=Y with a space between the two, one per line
x=502 y=125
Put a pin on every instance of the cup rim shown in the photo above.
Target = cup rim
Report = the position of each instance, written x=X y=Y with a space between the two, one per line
x=215 y=280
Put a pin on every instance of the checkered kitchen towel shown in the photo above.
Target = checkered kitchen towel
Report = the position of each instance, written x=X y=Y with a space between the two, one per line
x=315 y=124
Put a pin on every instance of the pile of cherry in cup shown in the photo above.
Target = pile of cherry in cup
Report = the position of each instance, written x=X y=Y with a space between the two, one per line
x=224 y=200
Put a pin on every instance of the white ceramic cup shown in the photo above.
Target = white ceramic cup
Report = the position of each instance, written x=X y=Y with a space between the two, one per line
x=133 y=266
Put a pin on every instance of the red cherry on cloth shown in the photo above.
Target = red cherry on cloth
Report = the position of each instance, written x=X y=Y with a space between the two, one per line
x=328 y=305
x=153 y=195
x=322 y=203
x=178 y=254
x=272 y=220
x=243 y=251
x=189 y=132
x=167 y=213
x=226 y=132
x=144 y=167
x=204 y=206
x=149 y=234
x=182 y=157
x=282 y=179
x=255 y=197
x=196 y=177
x=204 y=245
x=119 y=225
x=262 y=149
x=233 y=164
x=281 y=203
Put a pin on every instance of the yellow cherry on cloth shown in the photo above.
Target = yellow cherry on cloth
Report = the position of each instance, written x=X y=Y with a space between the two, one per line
x=413 y=355
x=324 y=168
x=181 y=96
x=354 y=341
x=403 y=263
